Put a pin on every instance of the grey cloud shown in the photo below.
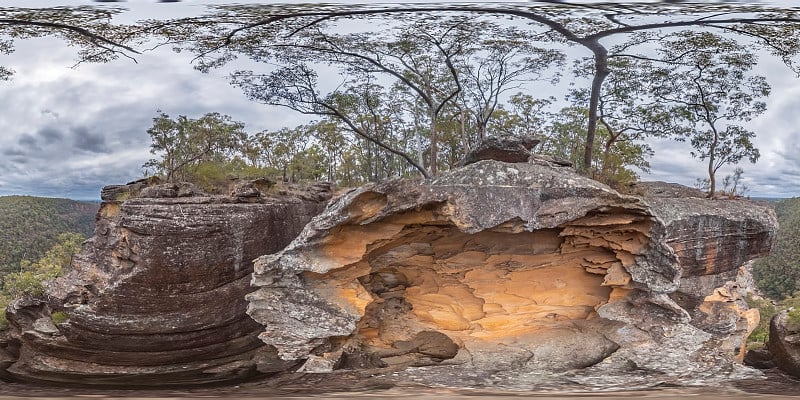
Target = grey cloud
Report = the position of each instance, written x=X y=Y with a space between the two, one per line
x=14 y=152
x=50 y=134
x=88 y=141
x=27 y=140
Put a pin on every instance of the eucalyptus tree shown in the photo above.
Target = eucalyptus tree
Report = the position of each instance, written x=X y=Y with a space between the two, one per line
x=581 y=24
x=709 y=80
x=524 y=115
x=90 y=29
x=506 y=60
x=182 y=144
x=628 y=112
x=433 y=59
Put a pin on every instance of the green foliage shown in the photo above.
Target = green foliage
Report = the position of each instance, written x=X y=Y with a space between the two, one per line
x=59 y=317
x=29 y=281
x=766 y=310
x=564 y=139
x=4 y=302
x=29 y=226
x=709 y=80
x=32 y=278
x=778 y=275
x=186 y=144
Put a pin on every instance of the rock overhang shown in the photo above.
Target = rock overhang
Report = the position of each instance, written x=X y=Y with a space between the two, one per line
x=514 y=263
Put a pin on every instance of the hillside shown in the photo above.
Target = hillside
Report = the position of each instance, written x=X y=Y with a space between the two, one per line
x=30 y=225
x=778 y=275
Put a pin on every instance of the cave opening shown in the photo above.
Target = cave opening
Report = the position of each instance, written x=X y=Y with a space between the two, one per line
x=429 y=291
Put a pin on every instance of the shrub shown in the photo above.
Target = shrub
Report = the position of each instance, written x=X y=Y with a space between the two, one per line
x=4 y=301
x=59 y=317
x=766 y=309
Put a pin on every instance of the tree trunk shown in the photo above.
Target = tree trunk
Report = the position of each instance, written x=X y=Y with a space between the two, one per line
x=434 y=147
x=601 y=71
x=712 y=180
x=464 y=139
x=606 y=161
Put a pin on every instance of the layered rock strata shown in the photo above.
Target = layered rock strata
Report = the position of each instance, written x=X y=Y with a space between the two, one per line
x=157 y=296
x=524 y=267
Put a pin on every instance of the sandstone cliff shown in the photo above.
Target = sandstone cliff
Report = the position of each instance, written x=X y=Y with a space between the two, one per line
x=504 y=271
x=508 y=274
x=157 y=295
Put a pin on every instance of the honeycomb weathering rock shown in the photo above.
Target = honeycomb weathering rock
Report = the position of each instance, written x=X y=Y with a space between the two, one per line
x=524 y=267
x=156 y=297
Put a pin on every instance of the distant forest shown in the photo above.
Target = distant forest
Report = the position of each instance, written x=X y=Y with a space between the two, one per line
x=778 y=275
x=29 y=226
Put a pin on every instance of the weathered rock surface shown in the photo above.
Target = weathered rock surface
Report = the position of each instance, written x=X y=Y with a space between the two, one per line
x=506 y=149
x=157 y=296
x=784 y=344
x=528 y=269
x=508 y=274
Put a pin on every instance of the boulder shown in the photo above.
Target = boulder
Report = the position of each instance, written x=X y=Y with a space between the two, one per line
x=249 y=188
x=507 y=149
x=784 y=343
x=157 y=295
x=529 y=268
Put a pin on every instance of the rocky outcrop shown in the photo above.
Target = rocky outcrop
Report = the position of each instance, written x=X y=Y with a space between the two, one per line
x=506 y=149
x=157 y=296
x=784 y=343
x=513 y=273
x=516 y=274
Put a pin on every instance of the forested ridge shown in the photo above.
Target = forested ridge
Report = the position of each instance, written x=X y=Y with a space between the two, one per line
x=29 y=226
x=778 y=275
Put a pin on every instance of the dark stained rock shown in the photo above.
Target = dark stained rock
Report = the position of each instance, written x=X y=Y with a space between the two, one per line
x=507 y=149
x=126 y=191
x=157 y=296
x=784 y=344
x=759 y=358
x=248 y=188
x=528 y=268
x=712 y=237
x=171 y=190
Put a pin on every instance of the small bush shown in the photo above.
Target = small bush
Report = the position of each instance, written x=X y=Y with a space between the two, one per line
x=792 y=303
x=766 y=309
x=4 y=301
x=59 y=317
x=793 y=320
x=24 y=283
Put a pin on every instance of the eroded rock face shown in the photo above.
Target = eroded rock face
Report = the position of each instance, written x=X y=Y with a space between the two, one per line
x=523 y=267
x=157 y=296
x=784 y=344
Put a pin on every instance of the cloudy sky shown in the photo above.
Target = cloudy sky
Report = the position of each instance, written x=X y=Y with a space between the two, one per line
x=66 y=132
